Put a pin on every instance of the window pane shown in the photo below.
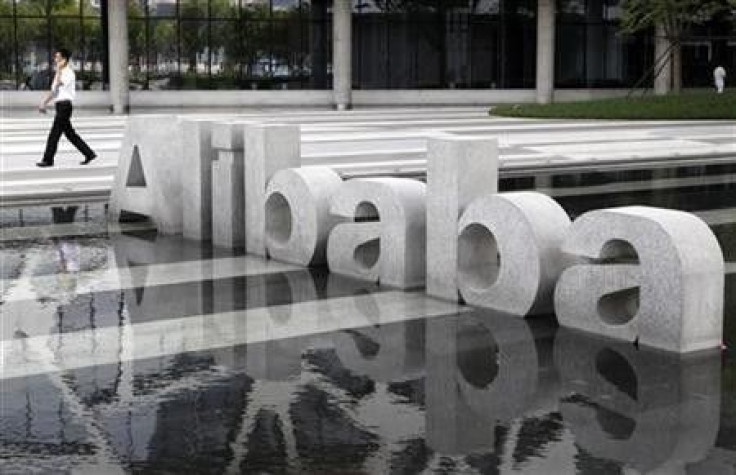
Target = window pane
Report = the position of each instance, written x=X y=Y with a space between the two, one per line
x=194 y=54
x=570 y=67
x=33 y=8
x=484 y=55
x=67 y=33
x=224 y=9
x=317 y=38
x=257 y=9
x=92 y=54
x=65 y=8
x=162 y=9
x=280 y=6
x=288 y=56
x=137 y=62
x=6 y=8
x=34 y=53
x=193 y=9
x=7 y=55
x=257 y=59
x=163 y=62
x=91 y=8
x=225 y=38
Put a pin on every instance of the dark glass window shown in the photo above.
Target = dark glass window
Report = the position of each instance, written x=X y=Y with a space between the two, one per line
x=226 y=44
x=590 y=51
x=444 y=44
x=30 y=32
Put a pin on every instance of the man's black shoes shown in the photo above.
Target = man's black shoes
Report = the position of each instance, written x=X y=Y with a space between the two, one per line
x=44 y=164
x=87 y=160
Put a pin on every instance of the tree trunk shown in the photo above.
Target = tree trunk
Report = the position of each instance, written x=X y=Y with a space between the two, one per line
x=663 y=63
x=677 y=68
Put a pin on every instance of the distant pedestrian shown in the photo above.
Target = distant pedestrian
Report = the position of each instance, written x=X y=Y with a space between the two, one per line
x=63 y=90
x=719 y=76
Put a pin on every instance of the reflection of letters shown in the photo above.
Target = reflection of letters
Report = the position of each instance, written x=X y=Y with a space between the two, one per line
x=135 y=259
x=385 y=353
x=645 y=409
x=654 y=275
x=481 y=368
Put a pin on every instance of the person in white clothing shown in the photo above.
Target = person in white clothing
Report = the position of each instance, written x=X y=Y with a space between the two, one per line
x=719 y=76
x=62 y=93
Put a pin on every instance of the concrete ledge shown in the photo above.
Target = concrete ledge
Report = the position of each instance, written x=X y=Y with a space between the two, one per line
x=236 y=98
x=31 y=99
x=310 y=97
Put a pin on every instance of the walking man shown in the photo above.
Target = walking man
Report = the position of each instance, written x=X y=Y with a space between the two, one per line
x=63 y=90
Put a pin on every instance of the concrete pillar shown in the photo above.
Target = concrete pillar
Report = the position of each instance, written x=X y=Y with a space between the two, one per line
x=663 y=62
x=545 y=51
x=117 y=21
x=342 y=67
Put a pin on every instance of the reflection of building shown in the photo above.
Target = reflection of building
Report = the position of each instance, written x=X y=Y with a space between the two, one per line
x=489 y=49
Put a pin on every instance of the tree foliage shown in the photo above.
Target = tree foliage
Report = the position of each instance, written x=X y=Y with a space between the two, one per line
x=675 y=16
x=673 y=19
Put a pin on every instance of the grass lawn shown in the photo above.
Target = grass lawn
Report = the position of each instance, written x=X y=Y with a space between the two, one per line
x=688 y=105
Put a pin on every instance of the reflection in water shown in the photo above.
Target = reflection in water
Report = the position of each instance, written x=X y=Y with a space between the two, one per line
x=470 y=393
x=645 y=410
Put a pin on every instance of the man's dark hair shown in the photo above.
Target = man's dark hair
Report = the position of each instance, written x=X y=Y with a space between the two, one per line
x=65 y=53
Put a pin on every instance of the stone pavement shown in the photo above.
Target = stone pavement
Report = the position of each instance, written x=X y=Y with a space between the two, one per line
x=370 y=142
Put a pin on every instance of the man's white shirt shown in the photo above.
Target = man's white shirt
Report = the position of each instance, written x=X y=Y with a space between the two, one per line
x=67 y=89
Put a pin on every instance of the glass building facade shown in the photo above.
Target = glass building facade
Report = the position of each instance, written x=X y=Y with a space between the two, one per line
x=229 y=44
x=30 y=31
x=397 y=44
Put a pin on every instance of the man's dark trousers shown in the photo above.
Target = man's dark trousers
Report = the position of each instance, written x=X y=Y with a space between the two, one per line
x=63 y=124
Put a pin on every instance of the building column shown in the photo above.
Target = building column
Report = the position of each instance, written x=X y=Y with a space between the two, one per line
x=662 y=62
x=117 y=20
x=545 y=51
x=342 y=67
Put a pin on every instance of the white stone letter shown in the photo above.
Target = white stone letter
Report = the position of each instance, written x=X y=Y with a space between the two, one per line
x=269 y=148
x=297 y=214
x=524 y=230
x=392 y=250
x=652 y=274
x=459 y=169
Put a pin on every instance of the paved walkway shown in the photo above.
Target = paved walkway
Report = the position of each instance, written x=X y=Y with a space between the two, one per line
x=370 y=141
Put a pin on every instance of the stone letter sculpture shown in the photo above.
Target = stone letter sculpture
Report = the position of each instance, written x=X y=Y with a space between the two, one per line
x=459 y=169
x=196 y=181
x=148 y=178
x=269 y=148
x=228 y=188
x=653 y=275
x=392 y=250
x=525 y=231
x=297 y=214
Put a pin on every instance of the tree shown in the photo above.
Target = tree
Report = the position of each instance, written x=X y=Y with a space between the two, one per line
x=672 y=20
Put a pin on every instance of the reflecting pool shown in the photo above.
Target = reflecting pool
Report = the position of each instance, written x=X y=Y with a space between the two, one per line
x=124 y=351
